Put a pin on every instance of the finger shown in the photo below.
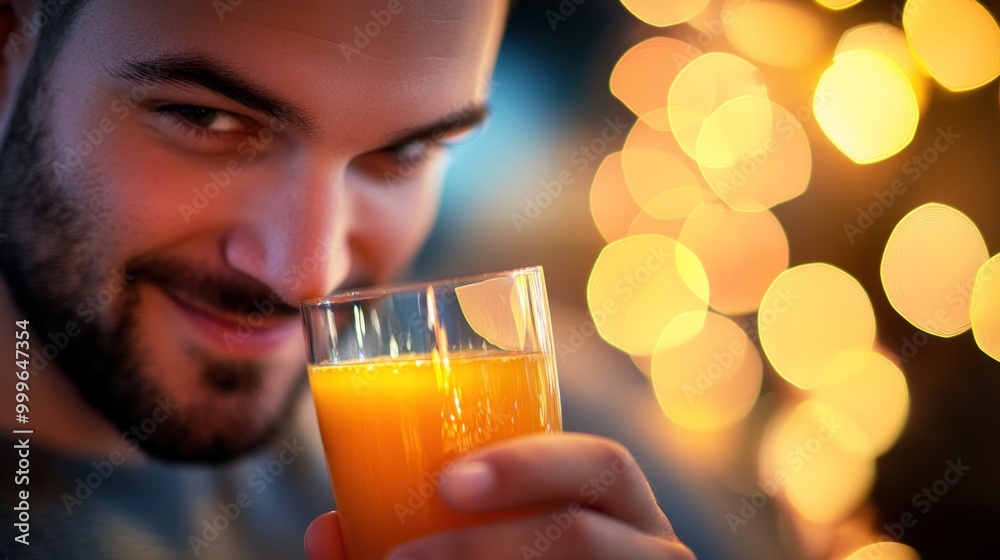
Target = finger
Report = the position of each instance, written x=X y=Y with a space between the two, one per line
x=595 y=472
x=323 y=540
x=567 y=534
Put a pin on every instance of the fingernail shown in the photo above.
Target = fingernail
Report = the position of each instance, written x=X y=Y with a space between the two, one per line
x=470 y=481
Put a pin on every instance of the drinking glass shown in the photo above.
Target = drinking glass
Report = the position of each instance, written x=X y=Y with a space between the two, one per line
x=408 y=379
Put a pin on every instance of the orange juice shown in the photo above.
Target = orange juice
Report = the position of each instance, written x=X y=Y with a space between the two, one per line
x=392 y=428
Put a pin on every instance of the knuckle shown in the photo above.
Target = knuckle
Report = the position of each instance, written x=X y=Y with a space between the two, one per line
x=617 y=457
x=586 y=532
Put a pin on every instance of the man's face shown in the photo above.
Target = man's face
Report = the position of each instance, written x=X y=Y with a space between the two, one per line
x=194 y=169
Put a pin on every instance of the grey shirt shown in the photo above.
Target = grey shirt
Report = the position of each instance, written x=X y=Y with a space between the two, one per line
x=256 y=507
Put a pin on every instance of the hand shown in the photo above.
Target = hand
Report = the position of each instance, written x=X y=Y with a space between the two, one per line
x=608 y=511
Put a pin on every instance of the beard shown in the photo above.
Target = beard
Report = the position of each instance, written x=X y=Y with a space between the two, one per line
x=54 y=254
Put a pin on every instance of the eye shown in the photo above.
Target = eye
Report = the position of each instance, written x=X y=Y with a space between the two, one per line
x=416 y=152
x=204 y=120
x=419 y=151
x=403 y=161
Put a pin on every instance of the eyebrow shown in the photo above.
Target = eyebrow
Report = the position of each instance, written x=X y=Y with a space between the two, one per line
x=455 y=123
x=205 y=72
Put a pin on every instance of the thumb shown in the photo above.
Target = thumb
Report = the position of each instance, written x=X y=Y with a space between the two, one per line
x=323 y=540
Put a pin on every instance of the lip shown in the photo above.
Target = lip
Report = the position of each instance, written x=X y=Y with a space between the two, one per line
x=236 y=338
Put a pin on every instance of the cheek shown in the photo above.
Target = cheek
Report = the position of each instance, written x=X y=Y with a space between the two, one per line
x=161 y=192
x=114 y=169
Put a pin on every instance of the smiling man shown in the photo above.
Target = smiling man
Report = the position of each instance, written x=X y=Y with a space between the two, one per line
x=174 y=178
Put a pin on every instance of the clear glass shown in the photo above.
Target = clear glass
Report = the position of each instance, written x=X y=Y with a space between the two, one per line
x=407 y=379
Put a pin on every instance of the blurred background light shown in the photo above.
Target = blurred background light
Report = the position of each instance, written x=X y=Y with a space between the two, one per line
x=653 y=164
x=889 y=41
x=639 y=285
x=809 y=314
x=929 y=266
x=884 y=550
x=662 y=14
x=984 y=311
x=742 y=252
x=775 y=171
x=784 y=33
x=703 y=86
x=643 y=75
x=866 y=106
x=869 y=391
x=738 y=130
x=668 y=212
x=802 y=456
x=838 y=4
x=709 y=380
x=958 y=41
x=611 y=203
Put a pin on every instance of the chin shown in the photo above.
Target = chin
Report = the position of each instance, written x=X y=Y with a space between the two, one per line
x=198 y=406
x=213 y=426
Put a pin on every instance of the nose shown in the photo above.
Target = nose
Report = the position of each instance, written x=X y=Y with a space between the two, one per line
x=293 y=236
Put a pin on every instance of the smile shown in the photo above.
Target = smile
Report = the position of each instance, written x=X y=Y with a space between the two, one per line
x=239 y=335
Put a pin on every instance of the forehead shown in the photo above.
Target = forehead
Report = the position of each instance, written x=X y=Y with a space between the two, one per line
x=410 y=60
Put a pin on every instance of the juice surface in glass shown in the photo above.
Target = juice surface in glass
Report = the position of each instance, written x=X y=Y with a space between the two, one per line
x=392 y=427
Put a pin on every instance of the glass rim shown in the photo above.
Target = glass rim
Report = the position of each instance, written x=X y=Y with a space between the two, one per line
x=390 y=289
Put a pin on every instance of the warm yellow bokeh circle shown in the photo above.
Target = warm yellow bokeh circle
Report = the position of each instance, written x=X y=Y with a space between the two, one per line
x=809 y=315
x=929 y=266
x=866 y=106
x=709 y=380
x=639 y=285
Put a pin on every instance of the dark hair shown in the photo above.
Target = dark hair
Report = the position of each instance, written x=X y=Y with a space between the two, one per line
x=54 y=18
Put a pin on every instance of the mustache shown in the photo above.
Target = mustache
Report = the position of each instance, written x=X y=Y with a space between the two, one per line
x=236 y=295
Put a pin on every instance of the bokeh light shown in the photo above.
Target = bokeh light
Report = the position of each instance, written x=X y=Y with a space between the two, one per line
x=777 y=171
x=838 y=4
x=889 y=41
x=958 y=41
x=667 y=213
x=816 y=325
x=703 y=86
x=643 y=75
x=869 y=391
x=984 y=310
x=785 y=33
x=866 y=106
x=611 y=203
x=742 y=252
x=929 y=267
x=710 y=19
x=802 y=455
x=709 y=380
x=810 y=314
x=662 y=14
x=884 y=550
x=653 y=164
x=639 y=285
x=738 y=130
